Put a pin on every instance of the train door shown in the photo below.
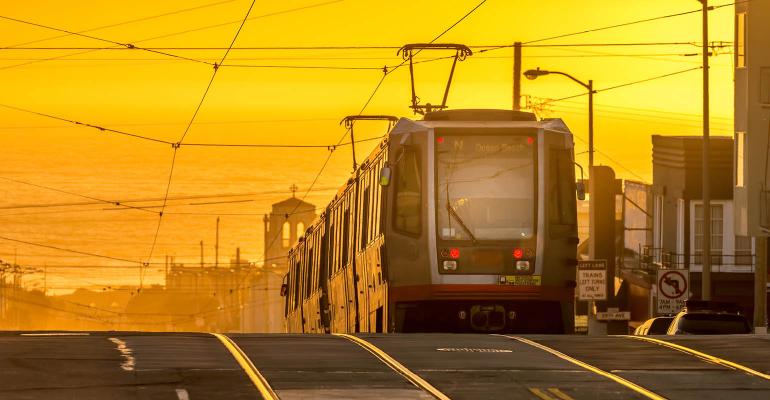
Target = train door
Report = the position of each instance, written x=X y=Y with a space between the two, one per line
x=338 y=303
x=323 y=276
x=348 y=259
x=361 y=240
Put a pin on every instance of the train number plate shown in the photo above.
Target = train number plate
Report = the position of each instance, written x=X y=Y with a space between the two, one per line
x=520 y=280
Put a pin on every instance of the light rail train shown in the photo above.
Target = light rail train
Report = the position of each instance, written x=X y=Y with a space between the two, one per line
x=464 y=221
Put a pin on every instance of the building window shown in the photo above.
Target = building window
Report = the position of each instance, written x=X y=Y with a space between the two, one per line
x=717 y=232
x=740 y=40
x=300 y=229
x=764 y=85
x=743 y=251
x=740 y=149
x=286 y=235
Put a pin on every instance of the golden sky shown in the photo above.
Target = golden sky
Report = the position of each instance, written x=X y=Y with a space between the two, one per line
x=155 y=95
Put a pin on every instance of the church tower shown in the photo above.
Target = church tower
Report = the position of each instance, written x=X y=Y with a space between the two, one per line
x=285 y=224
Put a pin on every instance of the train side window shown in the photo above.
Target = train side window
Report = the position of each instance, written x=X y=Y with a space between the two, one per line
x=562 y=206
x=408 y=201
x=309 y=274
x=365 y=219
x=295 y=286
x=345 y=236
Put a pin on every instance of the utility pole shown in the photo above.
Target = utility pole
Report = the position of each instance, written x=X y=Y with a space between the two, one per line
x=590 y=125
x=216 y=247
x=706 y=259
x=517 y=76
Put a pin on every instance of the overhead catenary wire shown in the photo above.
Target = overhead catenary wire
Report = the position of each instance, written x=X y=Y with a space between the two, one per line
x=614 y=26
x=179 y=144
x=113 y=202
x=548 y=101
x=125 y=45
x=271 y=14
x=117 y=24
x=187 y=129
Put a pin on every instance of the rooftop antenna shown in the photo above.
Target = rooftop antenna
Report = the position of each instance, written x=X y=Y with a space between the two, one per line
x=410 y=50
x=350 y=120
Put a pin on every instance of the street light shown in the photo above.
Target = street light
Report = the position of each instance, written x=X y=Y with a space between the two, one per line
x=533 y=74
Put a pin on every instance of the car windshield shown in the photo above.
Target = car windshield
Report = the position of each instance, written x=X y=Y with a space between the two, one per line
x=485 y=187
x=659 y=326
x=713 y=324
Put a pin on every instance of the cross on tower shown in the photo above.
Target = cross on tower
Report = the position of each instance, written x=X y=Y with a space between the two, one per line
x=294 y=189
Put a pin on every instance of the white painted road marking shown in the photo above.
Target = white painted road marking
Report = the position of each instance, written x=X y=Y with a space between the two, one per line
x=182 y=394
x=56 y=334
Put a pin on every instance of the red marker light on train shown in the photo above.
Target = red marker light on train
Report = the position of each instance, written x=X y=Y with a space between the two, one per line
x=518 y=253
x=454 y=252
x=440 y=140
x=530 y=140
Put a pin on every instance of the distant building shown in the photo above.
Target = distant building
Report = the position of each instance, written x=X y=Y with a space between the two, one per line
x=286 y=223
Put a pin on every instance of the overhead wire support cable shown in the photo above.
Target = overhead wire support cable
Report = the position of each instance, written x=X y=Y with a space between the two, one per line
x=125 y=45
x=113 y=202
x=85 y=124
x=187 y=129
x=627 y=84
x=84 y=253
x=624 y=24
x=114 y=25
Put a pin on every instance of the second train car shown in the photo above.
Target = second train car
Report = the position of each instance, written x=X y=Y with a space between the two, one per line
x=464 y=221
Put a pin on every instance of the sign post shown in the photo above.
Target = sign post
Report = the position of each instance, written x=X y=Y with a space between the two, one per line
x=592 y=286
x=673 y=290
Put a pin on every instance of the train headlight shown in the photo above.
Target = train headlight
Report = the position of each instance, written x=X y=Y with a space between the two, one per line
x=450 y=265
x=522 y=266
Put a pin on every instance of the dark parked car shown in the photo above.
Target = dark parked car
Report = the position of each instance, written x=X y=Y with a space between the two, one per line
x=654 y=326
x=709 y=318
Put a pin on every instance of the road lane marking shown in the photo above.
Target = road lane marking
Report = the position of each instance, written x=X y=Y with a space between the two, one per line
x=561 y=395
x=550 y=393
x=182 y=394
x=56 y=334
x=701 y=355
x=127 y=354
x=396 y=366
x=256 y=378
x=541 y=394
x=645 y=392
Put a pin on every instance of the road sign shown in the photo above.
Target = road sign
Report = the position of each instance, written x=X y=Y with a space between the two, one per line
x=612 y=314
x=592 y=279
x=673 y=290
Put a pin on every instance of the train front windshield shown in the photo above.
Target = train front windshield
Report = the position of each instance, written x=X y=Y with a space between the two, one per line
x=485 y=187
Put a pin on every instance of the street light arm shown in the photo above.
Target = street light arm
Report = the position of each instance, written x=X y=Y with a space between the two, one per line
x=585 y=85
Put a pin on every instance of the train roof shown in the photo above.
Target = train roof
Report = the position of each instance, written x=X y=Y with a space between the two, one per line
x=549 y=124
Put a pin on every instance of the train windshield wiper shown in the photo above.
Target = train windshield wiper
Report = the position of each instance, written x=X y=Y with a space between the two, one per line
x=459 y=220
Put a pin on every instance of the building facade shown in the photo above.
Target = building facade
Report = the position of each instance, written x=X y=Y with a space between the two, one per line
x=752 y=118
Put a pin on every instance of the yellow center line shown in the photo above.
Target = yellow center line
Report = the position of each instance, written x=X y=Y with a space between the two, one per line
x=644 y=392
x=256 y=378
x=701 y=355
x=396 y=366
x=561 y=395
x=541 y=394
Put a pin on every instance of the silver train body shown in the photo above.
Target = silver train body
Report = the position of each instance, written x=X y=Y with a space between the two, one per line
x=462 y=222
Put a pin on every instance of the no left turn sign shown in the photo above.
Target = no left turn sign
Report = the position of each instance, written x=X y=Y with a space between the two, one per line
x=672 y=284
x=673 y=290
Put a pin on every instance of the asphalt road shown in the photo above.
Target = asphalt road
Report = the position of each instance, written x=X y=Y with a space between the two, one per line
x=127 y=365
